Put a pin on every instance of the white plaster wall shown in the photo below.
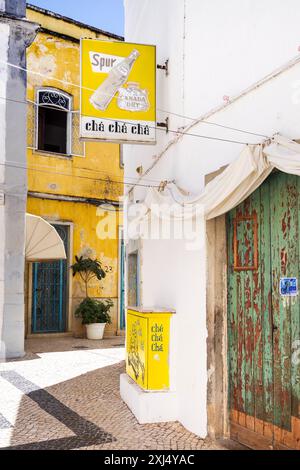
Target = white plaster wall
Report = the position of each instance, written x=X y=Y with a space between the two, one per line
x=229 y=46
x=220 y=49
x=149 y=22
x=233 y=44
x=4 y=34
x=171 y=274
x=215 y=49
x=15 y=35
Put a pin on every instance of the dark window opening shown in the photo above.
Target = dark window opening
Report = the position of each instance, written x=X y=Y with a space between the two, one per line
x=53 y=130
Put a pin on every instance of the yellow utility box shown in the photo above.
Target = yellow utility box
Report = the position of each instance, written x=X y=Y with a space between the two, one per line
x=147 y=347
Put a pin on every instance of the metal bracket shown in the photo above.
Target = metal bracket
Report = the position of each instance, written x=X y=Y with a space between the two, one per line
x=164 y=125
x=164 y=67
x=162 y=186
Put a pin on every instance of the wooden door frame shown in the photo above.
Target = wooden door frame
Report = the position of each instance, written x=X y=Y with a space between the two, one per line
x=69 y=325
x=216 y=321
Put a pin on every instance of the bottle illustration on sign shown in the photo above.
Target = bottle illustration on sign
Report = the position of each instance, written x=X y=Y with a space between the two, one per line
x=133 y=98
x=115 y=80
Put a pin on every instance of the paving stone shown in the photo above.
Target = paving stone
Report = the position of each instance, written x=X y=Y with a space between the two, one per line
x=71 y=400
x=4 y=423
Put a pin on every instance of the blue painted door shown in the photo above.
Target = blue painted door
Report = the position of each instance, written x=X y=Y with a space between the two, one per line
x=133 y=293
x=122 y=286
x=50 y=292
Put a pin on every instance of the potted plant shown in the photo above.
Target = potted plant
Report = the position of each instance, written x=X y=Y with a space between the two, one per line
x=94 y=313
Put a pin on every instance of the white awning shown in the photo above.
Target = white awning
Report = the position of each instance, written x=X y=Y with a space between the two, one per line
x=240 y=179
x=42 y=241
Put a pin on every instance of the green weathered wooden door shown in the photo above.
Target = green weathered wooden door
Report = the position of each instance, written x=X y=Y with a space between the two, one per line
x=264 y=322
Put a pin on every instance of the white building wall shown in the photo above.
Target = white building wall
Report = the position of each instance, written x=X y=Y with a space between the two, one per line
x=168 y=34
x=4 y=34
x=15 y=35
x=230 y=46
x=216 y=49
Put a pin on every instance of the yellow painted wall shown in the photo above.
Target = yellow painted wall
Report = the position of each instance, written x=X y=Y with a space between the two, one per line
x=86 y=177
x=62 y=26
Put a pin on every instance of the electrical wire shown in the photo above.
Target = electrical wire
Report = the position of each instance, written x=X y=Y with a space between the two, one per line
x=103 y=172
x=271 y=76
x=177 y=132
x=108 y=181
x=85 y=169
x=95 y=171
x=213 y=124
x=65 y=82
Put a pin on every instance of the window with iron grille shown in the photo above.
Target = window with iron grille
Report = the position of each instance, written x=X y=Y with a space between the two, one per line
x=53 y=126
x=54 y=121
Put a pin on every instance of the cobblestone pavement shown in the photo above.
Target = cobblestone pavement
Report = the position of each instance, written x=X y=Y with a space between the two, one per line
x=65 y=395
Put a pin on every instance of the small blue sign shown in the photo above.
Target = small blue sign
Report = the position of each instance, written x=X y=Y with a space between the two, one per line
x=288 y=286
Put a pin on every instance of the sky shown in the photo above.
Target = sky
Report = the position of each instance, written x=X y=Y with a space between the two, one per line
x=104 y=14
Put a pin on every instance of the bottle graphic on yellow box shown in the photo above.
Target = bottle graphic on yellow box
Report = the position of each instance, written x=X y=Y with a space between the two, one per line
x=117 y=77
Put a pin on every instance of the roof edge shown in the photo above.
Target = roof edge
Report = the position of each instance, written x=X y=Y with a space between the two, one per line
x=72 y=21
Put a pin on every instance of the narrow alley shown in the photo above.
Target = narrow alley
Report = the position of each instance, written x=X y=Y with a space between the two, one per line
x=65 y=395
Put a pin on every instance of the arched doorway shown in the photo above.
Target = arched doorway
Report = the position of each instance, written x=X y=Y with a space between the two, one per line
x=263 y=313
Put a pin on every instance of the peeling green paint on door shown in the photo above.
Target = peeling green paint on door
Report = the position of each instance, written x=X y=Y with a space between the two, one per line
x=263 y=326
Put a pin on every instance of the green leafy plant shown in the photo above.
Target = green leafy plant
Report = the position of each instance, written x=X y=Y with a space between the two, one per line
x=88 y=269
x=94 y=311
x=91 y=310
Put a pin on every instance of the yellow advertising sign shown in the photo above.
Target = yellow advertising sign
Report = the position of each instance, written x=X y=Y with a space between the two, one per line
x=118 y=91
x=147 y=349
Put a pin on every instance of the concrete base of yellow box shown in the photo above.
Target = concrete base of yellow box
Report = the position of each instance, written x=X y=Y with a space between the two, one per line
x=148 y=407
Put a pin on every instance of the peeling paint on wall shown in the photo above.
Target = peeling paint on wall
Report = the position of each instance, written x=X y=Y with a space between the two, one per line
x=88 y=252
x=75 y=177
